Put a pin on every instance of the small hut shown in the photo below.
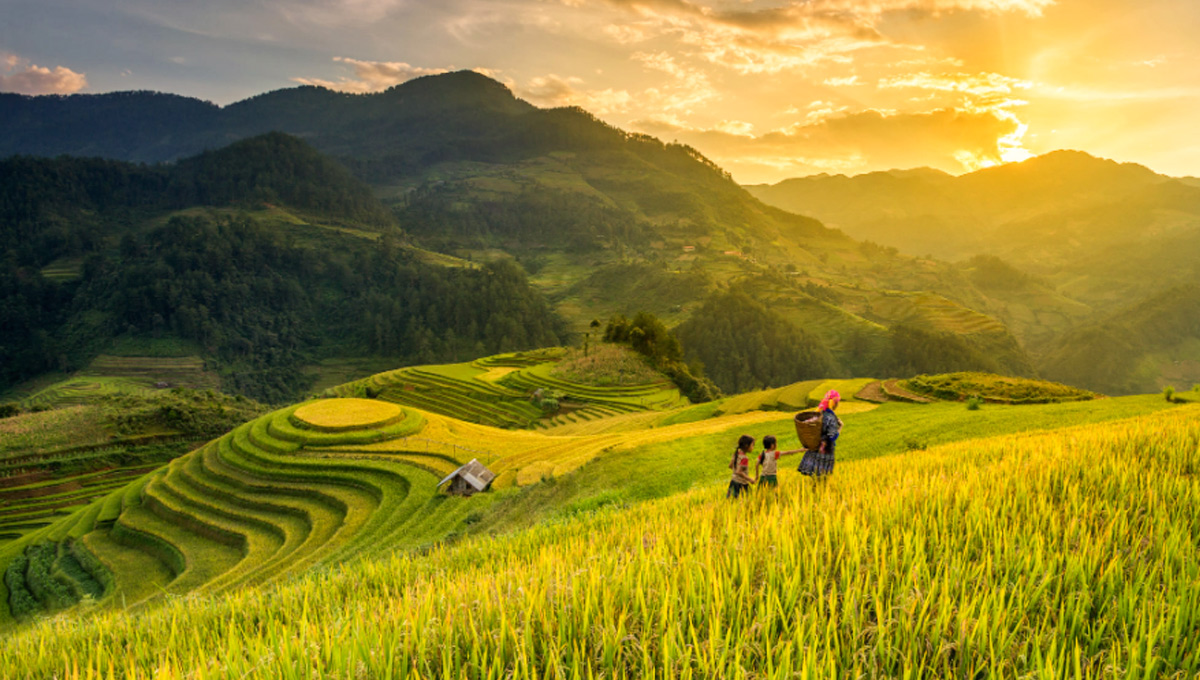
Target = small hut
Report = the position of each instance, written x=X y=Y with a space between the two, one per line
x=468 y=479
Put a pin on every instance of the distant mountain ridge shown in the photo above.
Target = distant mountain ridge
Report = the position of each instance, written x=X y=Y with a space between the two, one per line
x=1107 y=235
x=927 y=211
x=152 y=127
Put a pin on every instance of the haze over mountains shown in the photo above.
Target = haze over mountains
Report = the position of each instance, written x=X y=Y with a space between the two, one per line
x=607 y=222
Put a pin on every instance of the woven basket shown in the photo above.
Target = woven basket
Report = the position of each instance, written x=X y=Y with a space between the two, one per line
x=808 y=429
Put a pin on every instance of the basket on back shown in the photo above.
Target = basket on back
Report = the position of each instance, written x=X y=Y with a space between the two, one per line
x=808 y=429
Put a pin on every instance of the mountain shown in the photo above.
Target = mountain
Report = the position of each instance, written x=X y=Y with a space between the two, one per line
x=605 y=222
x=927 y=211
x=1087 y=236
x=265 y=254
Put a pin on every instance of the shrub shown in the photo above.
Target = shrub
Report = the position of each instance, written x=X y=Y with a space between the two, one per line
x=974 y=402
x=9 y=410
x=1169 y=393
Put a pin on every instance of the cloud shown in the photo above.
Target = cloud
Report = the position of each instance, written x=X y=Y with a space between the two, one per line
x=980 y=93
x=795 y=34
x=336 y=12
x=688 y=87
x=841 y=82
x=371 y=76
x=21 y=76
x=975 y=84
x=949 y=139
x=553 y=91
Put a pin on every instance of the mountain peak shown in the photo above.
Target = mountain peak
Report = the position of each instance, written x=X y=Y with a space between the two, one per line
x=460 y=88
x=1073 y=163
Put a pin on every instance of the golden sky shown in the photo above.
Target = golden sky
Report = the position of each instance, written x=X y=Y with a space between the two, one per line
x=767 y=89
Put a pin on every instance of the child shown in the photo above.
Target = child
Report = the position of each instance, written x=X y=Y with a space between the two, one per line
x=765 y=469
x=740 y=465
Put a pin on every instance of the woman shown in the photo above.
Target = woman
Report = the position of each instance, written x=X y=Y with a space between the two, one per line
x=740 y=465
x=831 y=427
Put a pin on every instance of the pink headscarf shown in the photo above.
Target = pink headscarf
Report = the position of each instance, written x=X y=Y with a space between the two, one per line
x=830 y=396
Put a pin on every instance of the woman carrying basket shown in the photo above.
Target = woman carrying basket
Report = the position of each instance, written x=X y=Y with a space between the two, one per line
x=819 y=461
x=831 y=427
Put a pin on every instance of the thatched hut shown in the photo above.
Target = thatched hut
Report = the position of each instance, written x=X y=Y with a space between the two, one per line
x=469 y=479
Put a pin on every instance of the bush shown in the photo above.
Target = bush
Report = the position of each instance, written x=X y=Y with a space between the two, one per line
x=20 y=601
x=1169 y=393
x=9 y=410
x=548 y=400
x=974 y=402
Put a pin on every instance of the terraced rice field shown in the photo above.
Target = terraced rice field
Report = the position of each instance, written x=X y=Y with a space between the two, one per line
x=77 y=391
x=324 y=481
x=117 y=375
x=187 y=371
x=933 y=310
x=31 y=502
x=63 y=269
x=499 y=391
x=310 y=484
x=895 y=391
x=794 y=397
x=520 y=458
x=595 y=402
x=1034 y=555
x=456 y=390
x=252 y=505
x=53 y=462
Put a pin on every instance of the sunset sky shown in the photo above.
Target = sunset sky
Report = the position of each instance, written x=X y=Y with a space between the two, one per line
x=767 y=89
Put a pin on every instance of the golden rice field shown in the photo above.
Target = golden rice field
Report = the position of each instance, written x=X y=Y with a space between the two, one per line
x=1065 y=554
x=522 y=457
x=343 y=414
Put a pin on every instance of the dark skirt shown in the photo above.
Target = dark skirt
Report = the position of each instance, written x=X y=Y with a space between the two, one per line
x=736 y=489
x=817 y=464
x=768 y=479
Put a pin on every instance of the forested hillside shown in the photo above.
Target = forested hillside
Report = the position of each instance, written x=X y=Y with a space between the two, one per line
x=260 y=297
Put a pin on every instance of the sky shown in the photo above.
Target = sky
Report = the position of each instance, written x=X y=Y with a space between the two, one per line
x=768 y=89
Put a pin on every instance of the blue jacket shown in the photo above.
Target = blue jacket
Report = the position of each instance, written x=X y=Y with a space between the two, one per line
x=830 y=425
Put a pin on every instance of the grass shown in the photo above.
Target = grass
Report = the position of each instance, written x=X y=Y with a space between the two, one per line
x=1041 y=555
x=33 y=432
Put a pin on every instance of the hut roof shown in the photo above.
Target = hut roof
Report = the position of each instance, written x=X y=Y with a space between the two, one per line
x=474 y=473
